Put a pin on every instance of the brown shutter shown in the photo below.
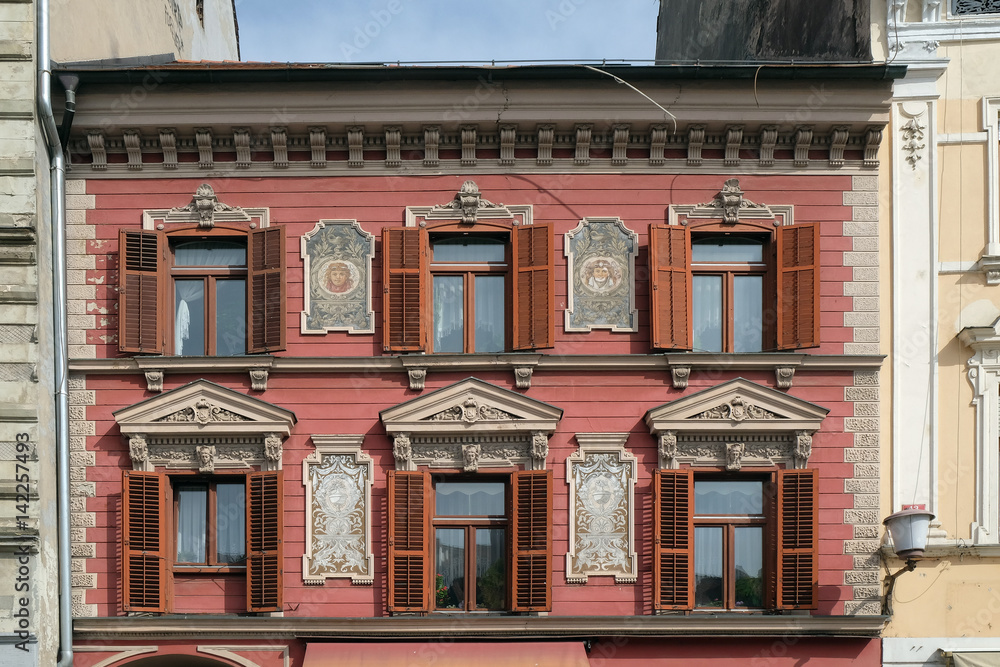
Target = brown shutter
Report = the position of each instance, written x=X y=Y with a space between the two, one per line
x=670 y=287
x=144 y=565
x=798 y=539
x=673 y=536
x=264 y=536
x=798 y=286
x=140 y=283
x=266 y=278
x=532 y=541
x=404 y=257
x=409 y=541
x=534 y=287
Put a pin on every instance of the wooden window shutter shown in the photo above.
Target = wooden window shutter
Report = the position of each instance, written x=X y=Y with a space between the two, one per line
x=140 y=284
x=798 y=539
x=670 y=287
x=532 y=541
x=673 y=539
x=534 y=287
x=264 y=537
x=266 y=284
x=404 y=265
x=798 y=286
x=144 y=551
x=409 y=541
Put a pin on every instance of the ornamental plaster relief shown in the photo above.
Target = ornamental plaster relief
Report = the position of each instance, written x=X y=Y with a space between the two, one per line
x=338 y=478
x=601 y=478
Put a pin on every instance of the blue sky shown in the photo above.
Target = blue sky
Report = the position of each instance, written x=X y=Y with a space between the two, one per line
x=446 y=30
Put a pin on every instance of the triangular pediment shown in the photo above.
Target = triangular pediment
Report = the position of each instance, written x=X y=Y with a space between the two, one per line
x=471 y=405
x=203 y=407
x=736 y=406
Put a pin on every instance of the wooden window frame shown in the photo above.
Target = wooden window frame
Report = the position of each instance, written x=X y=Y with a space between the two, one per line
x=173 y=502
x=469 y=524
x=468 y=272
x=146 y=290
x=728 y=273
x=407 y=281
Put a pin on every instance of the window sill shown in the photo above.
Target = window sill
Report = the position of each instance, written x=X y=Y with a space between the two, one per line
x=209 y=569
x=678 y=364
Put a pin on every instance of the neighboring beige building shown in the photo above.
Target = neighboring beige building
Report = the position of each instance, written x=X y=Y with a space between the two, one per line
x=81 y=30
x=943 y=195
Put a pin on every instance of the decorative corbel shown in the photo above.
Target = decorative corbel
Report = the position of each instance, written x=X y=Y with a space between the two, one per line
x=873 y=139
x=258 y=379
x=803 y=449
x=98 y=153
x=355 y=146
x=168 y=144
x=680 y=376
x=508 y=136
x=546 y=137
x=138 y=451
x=731 y=198
x=582 y=155
x=417 y=377
x=768 y=140
x=667 y=450
x=522 y=376
x=734 y=139
x=432 y=139
x=317 y=144
x=133 y=146
x=619 y=149
x=803 y=142
x=203 y=137
x=393 y=137
x=241 y=140
x=272 y=451
x=696 y=139
x=657 y=145
x=783 y=376
x=468 y=133
x=279 y=146
x=539 y=449
x=154 y=380
x=402 y=451
x=838 y=142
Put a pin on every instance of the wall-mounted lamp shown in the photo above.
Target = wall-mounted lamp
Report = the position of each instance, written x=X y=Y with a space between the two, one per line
x=908 y=530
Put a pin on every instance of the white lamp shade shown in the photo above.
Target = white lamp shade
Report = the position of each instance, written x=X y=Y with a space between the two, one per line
x=908 y=530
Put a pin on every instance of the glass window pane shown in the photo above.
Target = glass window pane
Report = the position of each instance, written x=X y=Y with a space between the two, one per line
x=449 y=314
x=707 y=313
x=189 y=317
x=748 y=310
x=231 y=317
x=470 y=499
x=749 y=566
x=708 y=566
x=468 y=250
x=192 y=522
x=489 y=313
x=491 y=568
x=210 y=253
x=728 y=249
x=725 y=497
x=449 y=561
x=230 y=522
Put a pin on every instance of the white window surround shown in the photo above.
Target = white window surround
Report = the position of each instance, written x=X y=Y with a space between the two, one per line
x=338 y=511
x=205 y=427
x=990 y=260
x=937 y=24
x=471 y=425
x=984 y=375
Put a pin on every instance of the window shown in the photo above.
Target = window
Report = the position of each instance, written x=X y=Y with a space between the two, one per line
x=459 y=544
x=975 y=7
x=745 y=288
x=224 y=524
x=196 y=292
x=470 y=545
x=735 y=542
x=483 y=288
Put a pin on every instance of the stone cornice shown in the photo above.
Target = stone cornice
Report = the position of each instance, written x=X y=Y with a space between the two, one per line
x=694 y=625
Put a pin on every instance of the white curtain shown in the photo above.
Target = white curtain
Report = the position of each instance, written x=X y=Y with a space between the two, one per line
x=189 y=292
x=191 y=523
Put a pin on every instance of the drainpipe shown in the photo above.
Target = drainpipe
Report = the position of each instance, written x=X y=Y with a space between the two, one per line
x=57 y=182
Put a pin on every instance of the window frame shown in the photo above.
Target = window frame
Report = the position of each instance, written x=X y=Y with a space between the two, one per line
x=211 y=525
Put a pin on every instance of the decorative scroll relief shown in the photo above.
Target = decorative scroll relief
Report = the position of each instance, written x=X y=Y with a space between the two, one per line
x=730 y=207
x=468 y=207
x=206 y=210
x=203 y=412
x=736 y=410
x=601 y=476
x=337 y=258
x=338 y=479
x=470 y=411
x=471 y=453
x=678 y=450
x=600 y=262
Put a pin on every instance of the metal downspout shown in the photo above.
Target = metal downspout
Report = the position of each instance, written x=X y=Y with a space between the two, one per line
x=57 y=181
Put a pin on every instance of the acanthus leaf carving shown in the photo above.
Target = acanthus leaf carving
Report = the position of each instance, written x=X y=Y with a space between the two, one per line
x=470 y=411
x=203 y=412
x=736 y=410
